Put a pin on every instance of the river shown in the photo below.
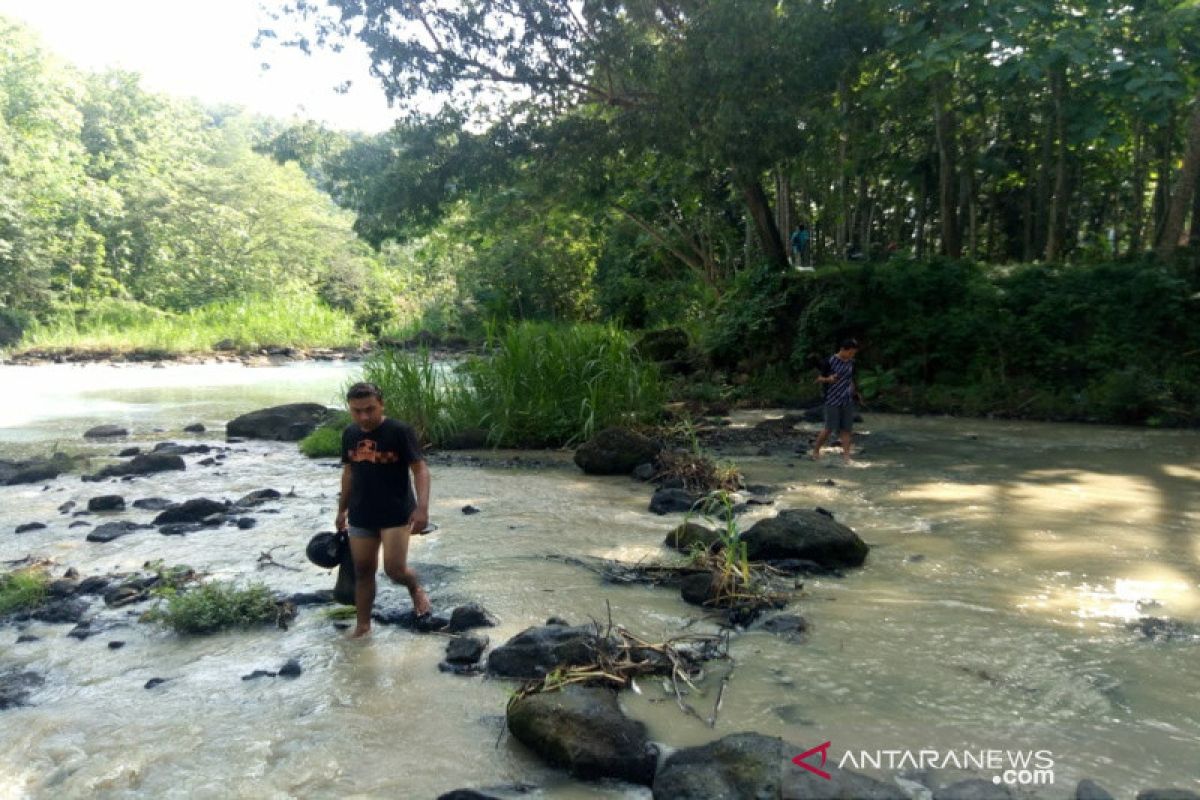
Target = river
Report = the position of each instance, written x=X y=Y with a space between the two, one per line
x=1008 y=561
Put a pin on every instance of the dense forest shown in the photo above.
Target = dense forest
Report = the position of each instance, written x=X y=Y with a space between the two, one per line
x=1001 y=196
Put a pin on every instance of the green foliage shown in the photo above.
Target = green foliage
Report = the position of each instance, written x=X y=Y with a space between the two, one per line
x=326 y=441
x=288 y=320
x=22 y=590
x=537 y=385
x=215 y=607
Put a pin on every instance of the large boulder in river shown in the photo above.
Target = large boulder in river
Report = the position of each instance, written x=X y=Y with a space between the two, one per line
x=535 y=652
x=286 y=423
x=197 y=509
x=752 y=765
x=615 y=451
x=36 y=470
x=145 y=464
x=105 y=432
x=808 y=535
x=583 y=730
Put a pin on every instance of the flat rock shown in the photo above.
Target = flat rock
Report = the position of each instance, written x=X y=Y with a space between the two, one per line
x=105 y=432
x=197 y=509
x=153 y=503
x=106 y=502
x=145 y=464
x=258 y=497
x=114 y=530
x=29 y=526
x=583 y=730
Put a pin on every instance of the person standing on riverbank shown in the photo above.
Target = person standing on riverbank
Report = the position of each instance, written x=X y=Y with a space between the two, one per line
x=841 y=394
x=377 y=505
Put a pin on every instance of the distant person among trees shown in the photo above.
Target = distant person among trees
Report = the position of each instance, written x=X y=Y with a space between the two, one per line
x=841 y=394
x=800 y=245
x=377 y=505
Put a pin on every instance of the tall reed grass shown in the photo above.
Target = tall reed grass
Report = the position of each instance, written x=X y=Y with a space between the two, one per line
x=536 y=385
x=290 y=320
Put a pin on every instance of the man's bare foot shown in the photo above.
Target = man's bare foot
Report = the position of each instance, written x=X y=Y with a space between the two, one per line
x=420 y=601
x=359 y=633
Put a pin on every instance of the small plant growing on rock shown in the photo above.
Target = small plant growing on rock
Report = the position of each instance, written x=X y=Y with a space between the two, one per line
x=698 y=471
x=219 y=606
x=22 y=590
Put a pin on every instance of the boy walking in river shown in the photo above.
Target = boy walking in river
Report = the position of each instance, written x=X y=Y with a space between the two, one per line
x=841 y=393
x=376 y=504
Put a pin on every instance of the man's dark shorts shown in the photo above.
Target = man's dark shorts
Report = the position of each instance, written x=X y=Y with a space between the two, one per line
x=839 y=418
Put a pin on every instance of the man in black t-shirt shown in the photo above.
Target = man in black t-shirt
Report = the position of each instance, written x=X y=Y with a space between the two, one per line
x=377 y=505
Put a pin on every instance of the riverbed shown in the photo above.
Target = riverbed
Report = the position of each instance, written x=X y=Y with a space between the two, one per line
x=1009 y=561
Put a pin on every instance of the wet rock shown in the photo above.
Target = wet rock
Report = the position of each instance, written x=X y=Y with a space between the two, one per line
x=114 y=530
x=407 y=618
x=129 y=451
x=107 y=502
x=95 y=584
x=67 y=611
x=1159 y=629
x=466 y=649
x=974 y=789
x=16 y=686
x=1167 y=794
x=311 y=598
x=290 y=669
x=615 y=451
x=246 y=523
x=62 y=588
x=691 y=534
x=259 y=673
x=258 y=497
x=791 y=627
x=286 y=423
x=13 y=473
x=30 y=526
x=469 y=510
x=584 y=731
x=150 y=684
x=153 y=503
x=115 y=644
x=489 y=793
x=197 y=509
x=181 y=528
x=670 y=501
x=698 y=588
x=173 y=449
x=1087 y=789
x=124 y=596
x=557 y=621
x=105 y=432
x=808 y=535
x=28 y=637
x=145 y=464
x=195 y=427
x=645 y=472
x=471 y=615
x=534 y=652
x=66 y=507
x=750 y=765
x=79 y=523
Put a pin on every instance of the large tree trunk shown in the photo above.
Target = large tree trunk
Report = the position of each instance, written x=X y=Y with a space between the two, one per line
x=922 y=204
x=1185 y=187
x=944 y=128
x=1138 y=224
x=783 y=202
x=1058 y=203
x=1194 y=238
x=759 y=207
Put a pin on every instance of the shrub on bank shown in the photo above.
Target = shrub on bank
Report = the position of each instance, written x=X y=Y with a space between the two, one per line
x=217 y=606
x=22 y=590
x=112 y=325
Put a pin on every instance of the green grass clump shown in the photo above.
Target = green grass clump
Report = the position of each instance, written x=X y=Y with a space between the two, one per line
x=290 y=320
x=22 y=590
x=217 y=606
x=326 y=441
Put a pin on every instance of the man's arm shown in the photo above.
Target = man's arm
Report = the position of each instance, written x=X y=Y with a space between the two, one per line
x=421 y=480
x=343 y=499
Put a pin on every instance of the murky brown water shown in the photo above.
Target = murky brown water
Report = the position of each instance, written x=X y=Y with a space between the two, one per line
x=991 y=614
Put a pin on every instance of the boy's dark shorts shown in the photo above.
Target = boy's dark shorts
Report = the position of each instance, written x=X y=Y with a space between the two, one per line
x=839 y=418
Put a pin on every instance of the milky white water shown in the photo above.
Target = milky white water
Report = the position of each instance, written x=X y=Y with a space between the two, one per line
x=1008 y=559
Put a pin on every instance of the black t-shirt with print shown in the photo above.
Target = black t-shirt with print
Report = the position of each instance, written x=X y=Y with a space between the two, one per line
x=381 y=493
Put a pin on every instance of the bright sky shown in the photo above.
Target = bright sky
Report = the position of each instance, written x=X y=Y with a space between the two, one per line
x=201 y=48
